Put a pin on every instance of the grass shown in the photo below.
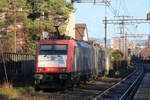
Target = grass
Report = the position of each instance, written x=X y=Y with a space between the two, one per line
x=7 y=91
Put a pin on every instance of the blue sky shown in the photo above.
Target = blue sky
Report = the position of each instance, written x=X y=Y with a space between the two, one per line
x=93 y=15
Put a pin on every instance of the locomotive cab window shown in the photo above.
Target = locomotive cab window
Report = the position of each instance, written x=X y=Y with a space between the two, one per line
x=52 y=55
x=51 y=49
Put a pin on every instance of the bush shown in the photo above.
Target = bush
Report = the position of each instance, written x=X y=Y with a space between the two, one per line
x=117 y=73
x=116 y=55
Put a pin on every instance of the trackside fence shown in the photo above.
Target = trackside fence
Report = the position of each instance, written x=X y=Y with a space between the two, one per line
x=17 y=67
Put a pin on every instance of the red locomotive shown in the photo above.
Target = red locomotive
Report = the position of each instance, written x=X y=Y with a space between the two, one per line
x=62 y=63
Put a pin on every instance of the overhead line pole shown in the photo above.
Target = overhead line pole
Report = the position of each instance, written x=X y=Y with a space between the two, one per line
x=105 y=38
x=124 y=21
x=105 y=2
x=15 y=44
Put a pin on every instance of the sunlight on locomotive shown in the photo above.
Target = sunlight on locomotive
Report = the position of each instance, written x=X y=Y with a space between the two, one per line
x=52 y=55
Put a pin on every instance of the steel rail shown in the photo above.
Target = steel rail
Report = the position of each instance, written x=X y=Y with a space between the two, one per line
x=124 y=96
x=99 y=95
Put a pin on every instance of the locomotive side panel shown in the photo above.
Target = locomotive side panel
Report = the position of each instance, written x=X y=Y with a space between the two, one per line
x=84 y=61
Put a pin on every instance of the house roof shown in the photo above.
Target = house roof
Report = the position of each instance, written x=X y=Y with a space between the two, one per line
x=79 y=31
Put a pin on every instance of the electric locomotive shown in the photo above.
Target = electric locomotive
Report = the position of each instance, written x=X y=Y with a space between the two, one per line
x=63 y=63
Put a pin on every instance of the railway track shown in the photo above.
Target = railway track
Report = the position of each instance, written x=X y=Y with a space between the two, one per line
x=123 y=90
x=84 y=92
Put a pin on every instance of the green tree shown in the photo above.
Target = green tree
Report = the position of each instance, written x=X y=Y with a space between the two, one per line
x=3 y=5
x=56 y=7
x=31 y=11
x=16 y=4
x=116 y=55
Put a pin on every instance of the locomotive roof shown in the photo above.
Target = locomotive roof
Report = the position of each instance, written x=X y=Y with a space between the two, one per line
x=79 y=43
x=84 y=44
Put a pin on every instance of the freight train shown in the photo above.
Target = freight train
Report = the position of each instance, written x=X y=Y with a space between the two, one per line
x=63 y=63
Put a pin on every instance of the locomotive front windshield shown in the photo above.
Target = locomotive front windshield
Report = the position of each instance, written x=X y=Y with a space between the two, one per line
x=52 y=55
x=51 y=49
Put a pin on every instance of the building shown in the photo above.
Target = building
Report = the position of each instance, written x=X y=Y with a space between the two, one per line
x=131 y=45
x=118 y=43
x=70 y=28
x=102 y=44
x=59 y=22
x=122 y=45
x=115 y=43
x=81 y=32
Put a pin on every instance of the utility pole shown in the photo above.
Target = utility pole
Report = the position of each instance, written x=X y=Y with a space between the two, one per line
x=15 y=11
x=124 y=21
x=105 y=38
x=122 y=31
x=15 y=34
x=105 y=2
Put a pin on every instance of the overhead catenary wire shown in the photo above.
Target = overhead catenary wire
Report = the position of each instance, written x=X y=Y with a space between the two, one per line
x=119 y=7
x=115 y=12
x=125 y=7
